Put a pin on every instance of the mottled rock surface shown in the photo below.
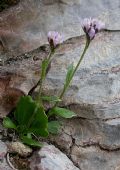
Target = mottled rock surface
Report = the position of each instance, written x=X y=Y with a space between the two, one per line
x=24 y=26
x=92 y=139
x=93 y=95
x=3 y=151
x=51 y=158
x=93 y=158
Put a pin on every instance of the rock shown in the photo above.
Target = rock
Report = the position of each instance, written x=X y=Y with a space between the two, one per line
x=96 y=132
x=95 y=87
x=94 y=158
x=20 y=148
x=92 y=140
x=63 y=140
x=3 y=152
x=9 y=96
x=17 y=77
x=51 y=158
x=94 y=96
x=24 y=26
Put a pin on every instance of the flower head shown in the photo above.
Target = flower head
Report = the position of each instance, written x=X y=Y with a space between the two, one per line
x=54 y=39
x=92 y=26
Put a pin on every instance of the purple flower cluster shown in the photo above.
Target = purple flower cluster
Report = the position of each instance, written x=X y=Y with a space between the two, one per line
x=54 y=39
x=92 y=26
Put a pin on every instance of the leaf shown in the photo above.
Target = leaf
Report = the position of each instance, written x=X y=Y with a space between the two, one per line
x=22 y=129
x=24 y=110
x=53 y=127
x=40 y=124
x=8 y=123
x=45 y=64
x=65 y=113
x=51 y=98
x=28 y=114
x=40 y=131
x=30 y=141
x=69 y=74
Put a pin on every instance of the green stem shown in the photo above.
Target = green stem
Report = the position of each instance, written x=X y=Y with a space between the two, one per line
x=80 y=60
x=41 y=79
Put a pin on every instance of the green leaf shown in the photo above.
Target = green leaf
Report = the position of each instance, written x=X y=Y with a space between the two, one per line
x=69 y=74
x=45 y=64
x=30 y=141
x=8 y=123
x=24 y=110
x=22 y=129
x=28 y=114
x=65 y=113
x=40 y=124
x=51 y=98
x=53 y=127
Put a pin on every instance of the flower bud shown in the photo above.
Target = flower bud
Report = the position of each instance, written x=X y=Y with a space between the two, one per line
x=92 y=26
x=54 y=39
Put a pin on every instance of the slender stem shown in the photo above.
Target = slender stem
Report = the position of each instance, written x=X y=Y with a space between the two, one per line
x=39 y=82
x=39 y=91
x=80 y=60
x=41 y=79
x=50 y=54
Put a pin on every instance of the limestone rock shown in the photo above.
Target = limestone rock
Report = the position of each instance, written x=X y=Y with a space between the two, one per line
x=24 y=26
x=51 y=158
x=17 y=77
x=3 y=152
x=93 y=94
x=92 y=140
x=93 y=158
x=19 y=148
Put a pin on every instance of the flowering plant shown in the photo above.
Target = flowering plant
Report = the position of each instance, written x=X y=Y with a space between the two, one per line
x=30 y=118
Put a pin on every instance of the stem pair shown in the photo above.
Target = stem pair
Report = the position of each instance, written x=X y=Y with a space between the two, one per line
x=40 y=82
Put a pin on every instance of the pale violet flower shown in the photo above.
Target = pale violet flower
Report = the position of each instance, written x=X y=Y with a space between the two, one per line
x=92 y=26
x=54 y=38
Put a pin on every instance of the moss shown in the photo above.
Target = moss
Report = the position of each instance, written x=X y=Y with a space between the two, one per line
x=7 y=3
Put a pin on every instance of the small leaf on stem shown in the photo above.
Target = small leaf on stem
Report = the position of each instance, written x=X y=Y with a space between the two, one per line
x=45 y=64
x=69 y=74
x=30 y=141
x=51 y=98
x=65 y=113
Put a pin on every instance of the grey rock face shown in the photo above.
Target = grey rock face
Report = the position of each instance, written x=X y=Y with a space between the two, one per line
x=95 y=86
x=94 y=96
x=3 y=151
x=92 y=140
x=93 y=158
x=50 y=158
x=24 y=27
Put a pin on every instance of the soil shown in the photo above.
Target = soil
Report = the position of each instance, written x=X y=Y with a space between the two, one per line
x=19 y=163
